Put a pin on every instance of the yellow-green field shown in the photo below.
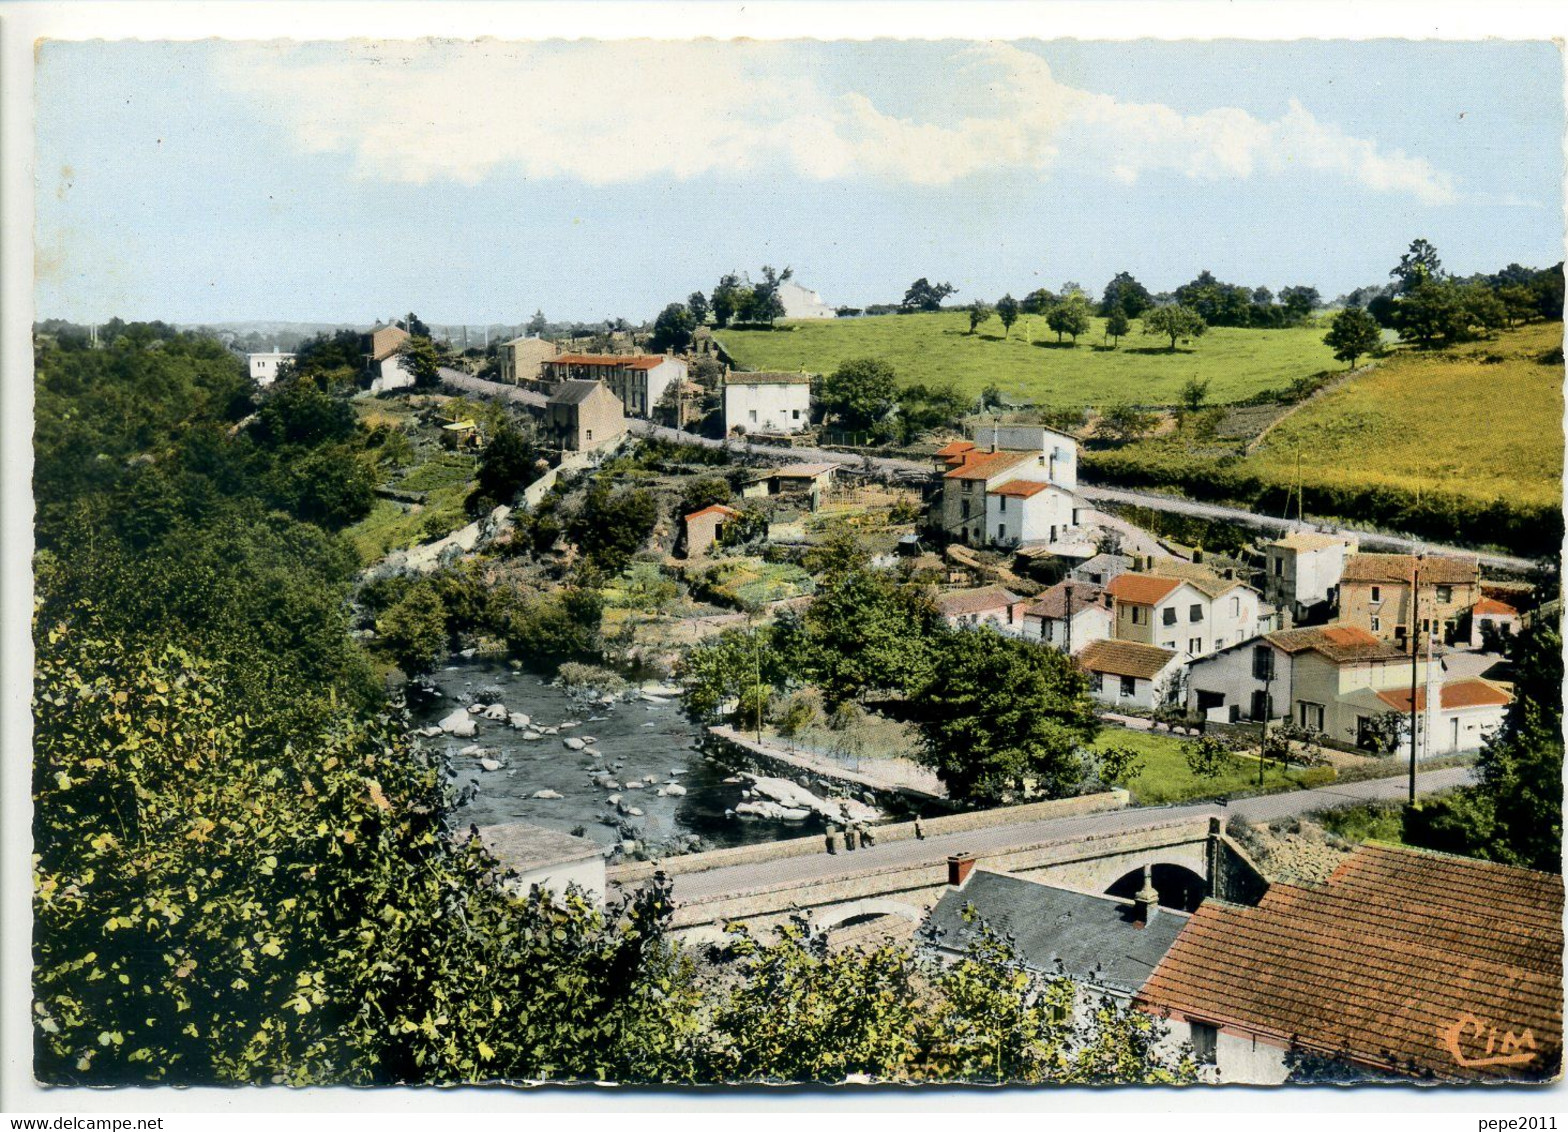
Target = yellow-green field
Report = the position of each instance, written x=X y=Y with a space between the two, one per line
x=1029 y=366
x=1482 y=421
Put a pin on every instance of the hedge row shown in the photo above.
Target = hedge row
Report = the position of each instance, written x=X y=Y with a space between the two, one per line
x=1532 y=531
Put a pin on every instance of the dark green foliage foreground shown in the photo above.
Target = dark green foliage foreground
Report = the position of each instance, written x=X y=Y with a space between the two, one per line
x=245 y=873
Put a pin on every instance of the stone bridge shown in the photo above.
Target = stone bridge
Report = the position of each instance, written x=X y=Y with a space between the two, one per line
x=1189 y=854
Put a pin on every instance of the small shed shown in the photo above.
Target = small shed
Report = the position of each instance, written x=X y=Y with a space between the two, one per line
x=813 y=480
x=702 y=527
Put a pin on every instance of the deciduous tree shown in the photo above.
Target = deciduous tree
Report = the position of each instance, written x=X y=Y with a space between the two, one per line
x=1352 y=334
x=1174 y=322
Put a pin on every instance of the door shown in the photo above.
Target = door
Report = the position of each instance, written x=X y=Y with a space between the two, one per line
x=1453 y=734
x=1262 y=705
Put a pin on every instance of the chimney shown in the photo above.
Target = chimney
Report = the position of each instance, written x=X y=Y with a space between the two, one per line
x=1145 y=902
x=959 y=866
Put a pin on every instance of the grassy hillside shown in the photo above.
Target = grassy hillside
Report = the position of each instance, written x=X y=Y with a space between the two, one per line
x=1029 y=366
x=1482 y=421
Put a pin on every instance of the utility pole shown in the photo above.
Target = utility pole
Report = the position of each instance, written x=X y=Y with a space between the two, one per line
x=756 y=652
x=1067 y=618
x=1268 y=705
x=1415 y=661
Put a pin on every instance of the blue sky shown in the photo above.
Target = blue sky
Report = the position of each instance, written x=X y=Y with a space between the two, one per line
x=477 y=182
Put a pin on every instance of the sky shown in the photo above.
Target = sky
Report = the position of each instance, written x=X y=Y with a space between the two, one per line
x=479 y=181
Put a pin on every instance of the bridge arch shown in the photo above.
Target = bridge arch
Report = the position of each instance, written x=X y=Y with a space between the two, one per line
x=1179 y=887
x=825 y=919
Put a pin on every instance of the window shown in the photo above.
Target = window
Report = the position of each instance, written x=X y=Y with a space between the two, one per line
x=795 y=414
x=1194 y=645
x=1195 y=613
x=1445 y=594
x=1235 y=607
x=964 y=504
x=1129 y=685
x=1205 y=1043
x=1136 y=619
x=1377 y=624
x=1310 y=715
x=1168 y=616
x=1096 y=682
x=1001 y=504
x=1219 y=644
x=1263 y=663
x=969 y=485
x=1001 y=532
x=1168 y=645
x=588 y=434
x=1377 y=593
x=1279 y=567
x=753 y=415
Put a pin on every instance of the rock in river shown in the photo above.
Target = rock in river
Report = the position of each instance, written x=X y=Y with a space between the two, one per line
x=496 y=712
x=490 y=764
x=574 y=744
x=546 y=794
x=459 y=724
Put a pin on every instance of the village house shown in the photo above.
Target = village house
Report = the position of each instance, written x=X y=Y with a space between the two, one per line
x=1301 y=575
x=521 y=359
x=1106 y=945
x=988 y=605
x=385 y=360
x=264 y=367
x=814 y=481
x=533 y=855
x=702 y=527
x=1302 y=674
x=1019 y=489
x=1195 y=615
x=1404 y=963
x=802 y=302
x=1466 y=714
x=1374 y=594
x=639 y=380
x=1069 y=616
x=1126 y=674
x=778 y=403
x=1492 y=622
x=583 y=415
x=1102 y=569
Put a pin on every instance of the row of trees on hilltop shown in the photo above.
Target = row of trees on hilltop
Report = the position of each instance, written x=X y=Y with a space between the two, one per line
x=1431 y=307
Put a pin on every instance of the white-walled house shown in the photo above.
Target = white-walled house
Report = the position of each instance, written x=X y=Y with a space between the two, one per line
x=996 y=606
x=1302 y=572
x=803 y=302
x=1126 y=674
x=767 y=402
x=1091 y=619
x=264 y=367
x=639 y=380
x=1467 y=714
x=386 y=359
x=1018 y=489
x=1193 y=616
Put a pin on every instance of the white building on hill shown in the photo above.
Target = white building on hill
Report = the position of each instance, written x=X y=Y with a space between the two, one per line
x=767 y=402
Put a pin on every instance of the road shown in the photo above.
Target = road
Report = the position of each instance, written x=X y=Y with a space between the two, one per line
x=907 y=470
x=794 y=871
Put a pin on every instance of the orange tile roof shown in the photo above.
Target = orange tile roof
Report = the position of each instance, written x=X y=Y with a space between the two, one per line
x=625 y=361
x=714 y=509
x=1052 y=604
x=962 y=603
x=1445 y=569
x=1451 y=697
x=1141 y=589
x=1125 y=658
x=1386 y=965
x=1020 y=489
x=1490 y=606
x=984 y=465
x=1337 y=642
x=955 y=448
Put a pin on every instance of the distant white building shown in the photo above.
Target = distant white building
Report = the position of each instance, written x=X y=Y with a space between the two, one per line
x=1017 y=489
x=767 y=402
x=802 y=302
x=264 y=367
x=386 y=359
x=639 y=380
x=1303 y=572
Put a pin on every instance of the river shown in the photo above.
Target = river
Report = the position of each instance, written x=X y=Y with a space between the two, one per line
x=639 y=741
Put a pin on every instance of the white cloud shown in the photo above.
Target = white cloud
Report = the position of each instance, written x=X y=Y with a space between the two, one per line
x=608 y=112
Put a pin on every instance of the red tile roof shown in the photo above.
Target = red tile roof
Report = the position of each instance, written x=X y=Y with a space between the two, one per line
x=1491 y=607
x=1052 y=603
x=1337 y=642
x=1395 y=568
x=625 y=361
x=1125 y=658
x=714 y=509
x=1452 y=696
x=956 y=448
x=984 y=465
x=1021 y=489
x=1404 y=960
x=1141 y=589
x=985 y=599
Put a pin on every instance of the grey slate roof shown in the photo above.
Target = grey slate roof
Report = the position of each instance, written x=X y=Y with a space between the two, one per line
x=1091 y=939
x=573 y=392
